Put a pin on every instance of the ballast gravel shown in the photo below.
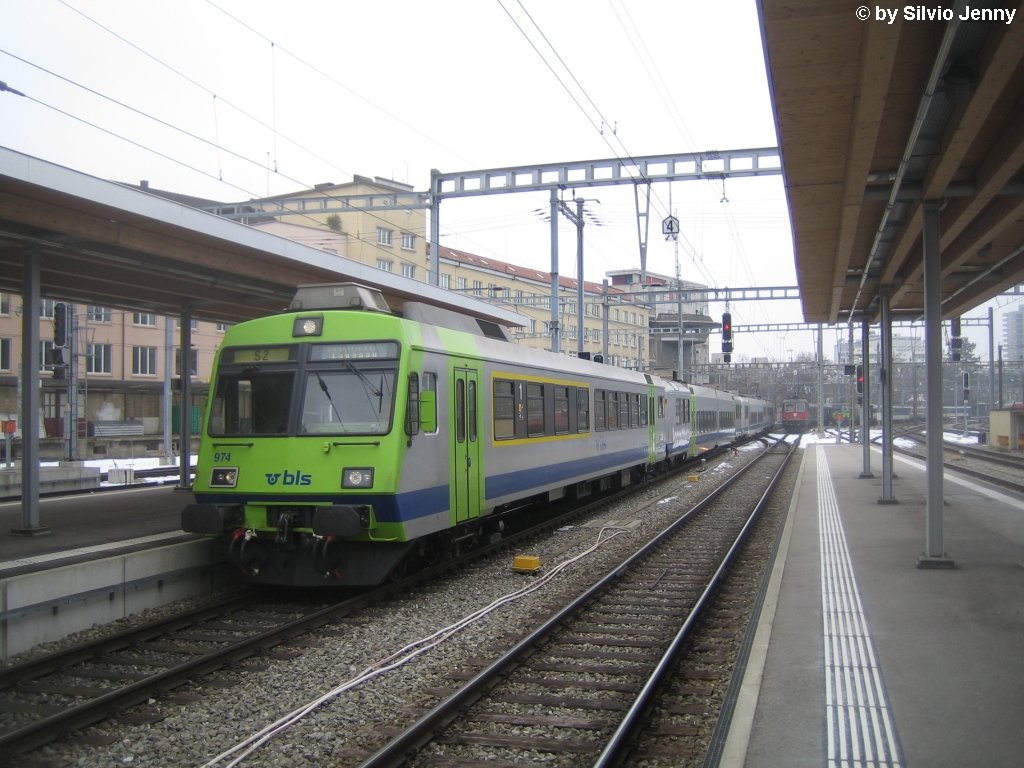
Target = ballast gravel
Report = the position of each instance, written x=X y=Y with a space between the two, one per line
x=228 y=708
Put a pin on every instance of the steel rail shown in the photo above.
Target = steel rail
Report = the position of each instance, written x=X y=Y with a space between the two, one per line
x=398 y=750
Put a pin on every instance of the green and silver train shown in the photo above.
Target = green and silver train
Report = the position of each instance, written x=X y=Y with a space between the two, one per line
x=341 y=441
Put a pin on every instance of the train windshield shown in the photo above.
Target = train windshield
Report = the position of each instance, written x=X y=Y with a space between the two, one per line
x=356 y=400
x=251 y=401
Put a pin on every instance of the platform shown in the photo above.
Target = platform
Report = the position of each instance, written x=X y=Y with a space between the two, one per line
x=864 y=659
x=102 y=557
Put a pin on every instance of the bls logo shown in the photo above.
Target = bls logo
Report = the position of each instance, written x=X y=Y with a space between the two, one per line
x=289 y=478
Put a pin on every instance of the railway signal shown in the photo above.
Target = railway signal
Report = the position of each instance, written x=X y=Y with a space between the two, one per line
x=860 y=379
x=60 y=324
x=727 y=337
x=955 y=341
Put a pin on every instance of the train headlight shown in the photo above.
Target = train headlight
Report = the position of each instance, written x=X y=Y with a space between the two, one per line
x=224 y=477
x=357 y=477
x=308 y=326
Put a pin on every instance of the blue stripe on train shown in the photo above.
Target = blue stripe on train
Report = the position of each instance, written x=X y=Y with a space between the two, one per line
x=537 y=477
x=410 y=505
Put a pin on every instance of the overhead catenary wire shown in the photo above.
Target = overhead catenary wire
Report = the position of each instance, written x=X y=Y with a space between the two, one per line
x=175 y=160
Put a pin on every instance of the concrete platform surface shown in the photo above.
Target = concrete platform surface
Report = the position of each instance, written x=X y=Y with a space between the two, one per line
x=867 y=659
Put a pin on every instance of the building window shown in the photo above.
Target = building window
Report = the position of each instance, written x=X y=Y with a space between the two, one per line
x=478 y=287
x=193 y=366
x=47 y=355
x=144 y=318
x=99 y=358
x=5 y=354
x=460 y=283
x=446 y=282
x=409 y=270
x=5 y=304
x=94 y=314
x=384 y=236
x=385 y=265
x=144 y=361
x=408 y=241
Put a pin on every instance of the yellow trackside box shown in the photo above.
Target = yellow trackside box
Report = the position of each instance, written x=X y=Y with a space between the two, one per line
x=526 y=564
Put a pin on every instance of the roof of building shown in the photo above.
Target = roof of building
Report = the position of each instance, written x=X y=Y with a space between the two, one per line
x=519 y=272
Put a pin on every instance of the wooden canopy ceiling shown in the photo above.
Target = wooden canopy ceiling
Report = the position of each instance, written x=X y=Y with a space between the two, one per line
x=876 y=118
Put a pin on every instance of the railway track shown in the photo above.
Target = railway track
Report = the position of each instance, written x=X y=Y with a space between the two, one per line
x=45 y=698
x=982 y=463
x=49 y=697
x=576 y=690
x=974 y=461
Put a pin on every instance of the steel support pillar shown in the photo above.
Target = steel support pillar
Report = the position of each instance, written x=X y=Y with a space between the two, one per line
x=185 y=414
x=821 y=382
x=885 y=379
x=853 y=384
x=581 y=315
x=934 y=556
x=991 y=365
x=30 y=399
x=167 y=406
x=434 y=246
x=865 y=407
x=554 y=272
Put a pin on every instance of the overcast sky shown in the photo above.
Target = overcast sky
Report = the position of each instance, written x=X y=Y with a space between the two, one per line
x=231 y=100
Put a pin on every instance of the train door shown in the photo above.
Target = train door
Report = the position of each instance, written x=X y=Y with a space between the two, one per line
x=466 y=464
x=652 y=422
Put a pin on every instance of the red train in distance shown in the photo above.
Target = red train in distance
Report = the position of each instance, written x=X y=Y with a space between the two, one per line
x=797 y=416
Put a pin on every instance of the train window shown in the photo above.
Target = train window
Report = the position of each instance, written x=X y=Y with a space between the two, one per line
x=472 y=411
x=504 y=402
x=351 y=401
x=600 y=420
x=624 y=402
x=613 y=410
x=251 y=402
x=561 y=410
x=428 y=403
x=661 y=407
x=535 y=409
x=460 y=410
x=412 y=410
x=582 y=410
x=635 y=414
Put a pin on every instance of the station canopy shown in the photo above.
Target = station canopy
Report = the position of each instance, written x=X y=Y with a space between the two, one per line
x=876 y=116
x=111 y=245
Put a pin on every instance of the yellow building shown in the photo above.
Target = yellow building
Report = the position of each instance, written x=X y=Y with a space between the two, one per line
x=119 y=360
